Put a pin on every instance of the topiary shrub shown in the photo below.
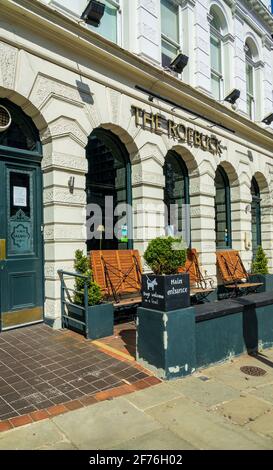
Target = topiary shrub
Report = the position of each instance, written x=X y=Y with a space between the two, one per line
x=164 y=255
x=81 y=266
x=260 y=263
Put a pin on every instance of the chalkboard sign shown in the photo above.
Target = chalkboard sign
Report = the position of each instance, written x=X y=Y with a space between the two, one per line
x=165 y=293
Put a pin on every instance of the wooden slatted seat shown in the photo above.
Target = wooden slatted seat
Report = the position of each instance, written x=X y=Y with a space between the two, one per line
x=118 y=273
x=200 y=286
x=233 y=272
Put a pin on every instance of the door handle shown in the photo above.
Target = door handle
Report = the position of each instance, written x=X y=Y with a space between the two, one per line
x=2 y=249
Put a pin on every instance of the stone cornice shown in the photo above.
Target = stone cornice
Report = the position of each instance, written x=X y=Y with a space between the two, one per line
x=261 y=10
x=267 y=42
x=228 y=38
x=79 y=41
x=190 y=3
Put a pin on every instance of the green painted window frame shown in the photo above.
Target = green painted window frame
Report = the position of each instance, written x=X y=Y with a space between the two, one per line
x=256 y=205
x=116 y=146
x=172 y=155
x=226 y=186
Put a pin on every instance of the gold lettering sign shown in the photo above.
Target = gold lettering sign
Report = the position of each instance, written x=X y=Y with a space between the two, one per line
x=159 y=124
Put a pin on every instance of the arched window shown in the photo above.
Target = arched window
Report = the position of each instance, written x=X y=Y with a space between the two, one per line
x=255 y=216
x=222 y=210
x=216 y=56
x=21 y=134
x=108 y=185
x=176 y=195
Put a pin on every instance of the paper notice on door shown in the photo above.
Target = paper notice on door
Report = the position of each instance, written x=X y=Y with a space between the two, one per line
x=19 y=196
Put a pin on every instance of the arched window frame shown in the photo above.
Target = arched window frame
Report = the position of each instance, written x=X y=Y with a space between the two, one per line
x=228 y=238
x=184 y=172
x=27 y=128
x=117 y=147
x=256 y=205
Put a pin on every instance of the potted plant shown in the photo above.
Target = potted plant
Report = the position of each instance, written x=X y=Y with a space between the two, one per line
x=260 y=272
x=165 y=289
x=99 y=315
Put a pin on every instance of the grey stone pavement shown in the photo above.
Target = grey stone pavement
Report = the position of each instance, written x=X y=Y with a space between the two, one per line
x=217 y=408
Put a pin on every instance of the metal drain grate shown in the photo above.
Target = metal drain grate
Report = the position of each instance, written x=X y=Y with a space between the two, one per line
x=252 y=370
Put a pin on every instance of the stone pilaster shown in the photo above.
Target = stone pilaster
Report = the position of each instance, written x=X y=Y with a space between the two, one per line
x=202 y=41
x=64 y=218
x=202 y=194
x=149 y=29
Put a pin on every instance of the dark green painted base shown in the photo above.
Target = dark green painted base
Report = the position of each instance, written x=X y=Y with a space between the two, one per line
x=100 y=320
x=166 y=341
x=173 y=344
x=242 y=325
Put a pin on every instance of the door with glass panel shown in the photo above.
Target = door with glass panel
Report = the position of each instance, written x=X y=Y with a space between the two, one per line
x=21 y=254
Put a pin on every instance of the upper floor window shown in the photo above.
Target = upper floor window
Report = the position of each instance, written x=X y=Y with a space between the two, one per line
x=216 y=61
x=169 y=31
x=250 y=98
x=109 y=24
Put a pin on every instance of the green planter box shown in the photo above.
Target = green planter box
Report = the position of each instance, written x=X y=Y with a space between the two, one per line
x=266 y=279
x=100 y=320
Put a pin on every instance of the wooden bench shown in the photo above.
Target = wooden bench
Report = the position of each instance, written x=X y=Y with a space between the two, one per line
x=118 y=273
x=200 y=286
x=233 y=273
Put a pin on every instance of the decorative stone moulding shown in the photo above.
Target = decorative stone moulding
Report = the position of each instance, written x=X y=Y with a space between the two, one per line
x=5 y=119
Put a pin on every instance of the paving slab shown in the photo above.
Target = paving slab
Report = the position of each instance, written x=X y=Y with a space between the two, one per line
x=204 y=429
x=244 y=409
x=153 y=396
x=263 y=425
x=33 y=436
x=231 y=375
x=209 y=392
x=59 y=446
x=265 y=392
x=162 y=439
x=104 y=425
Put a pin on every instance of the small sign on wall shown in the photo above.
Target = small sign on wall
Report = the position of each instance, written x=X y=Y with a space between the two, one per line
x=19 y=196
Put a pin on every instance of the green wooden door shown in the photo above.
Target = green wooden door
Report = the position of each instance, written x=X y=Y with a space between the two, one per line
x=21 y=244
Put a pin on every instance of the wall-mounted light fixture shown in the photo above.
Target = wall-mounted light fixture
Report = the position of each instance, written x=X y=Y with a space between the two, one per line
x=71 y=184
x=248 y=208
x=93 y=13
x=233 y=96
x=179 y=63
x=268 y=119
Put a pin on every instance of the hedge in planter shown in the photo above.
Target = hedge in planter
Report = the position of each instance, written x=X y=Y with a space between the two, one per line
x=260 y=263
x=165 y=289
x=100 y=315
x=261 y=272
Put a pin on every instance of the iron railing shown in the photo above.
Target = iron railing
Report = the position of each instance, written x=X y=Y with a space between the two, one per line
x=67 y=300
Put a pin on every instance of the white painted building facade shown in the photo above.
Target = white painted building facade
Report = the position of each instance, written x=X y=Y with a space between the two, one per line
x=72 y=79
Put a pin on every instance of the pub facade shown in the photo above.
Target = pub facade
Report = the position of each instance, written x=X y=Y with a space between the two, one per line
x=88 y=114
